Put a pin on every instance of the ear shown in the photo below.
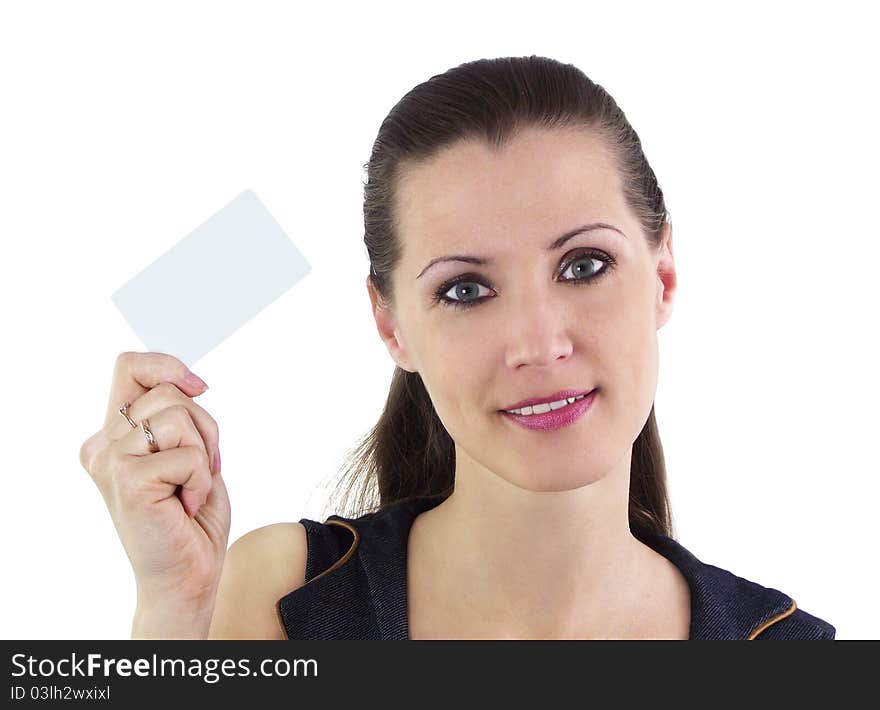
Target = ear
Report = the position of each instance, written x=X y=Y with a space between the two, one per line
x=666 y=278
x=386 y=324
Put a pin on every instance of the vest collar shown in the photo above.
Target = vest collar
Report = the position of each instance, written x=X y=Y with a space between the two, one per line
x=723 y=606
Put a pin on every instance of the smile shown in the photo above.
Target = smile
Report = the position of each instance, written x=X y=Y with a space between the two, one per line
x=552 y=415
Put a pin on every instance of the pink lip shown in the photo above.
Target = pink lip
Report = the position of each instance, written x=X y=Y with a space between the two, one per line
x=564 y=394
x=555 y=418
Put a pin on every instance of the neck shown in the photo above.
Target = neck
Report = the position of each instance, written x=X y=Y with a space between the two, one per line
x=518 y=563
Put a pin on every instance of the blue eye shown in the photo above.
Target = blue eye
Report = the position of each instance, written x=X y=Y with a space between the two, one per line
x=465 y=283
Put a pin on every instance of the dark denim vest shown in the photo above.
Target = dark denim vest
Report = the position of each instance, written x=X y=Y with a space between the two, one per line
x=356 y=586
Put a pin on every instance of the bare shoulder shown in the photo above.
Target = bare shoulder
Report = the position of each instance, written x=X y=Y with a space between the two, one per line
x=260 y=567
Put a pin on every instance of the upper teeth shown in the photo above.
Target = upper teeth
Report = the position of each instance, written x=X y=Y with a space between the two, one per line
x=546 y=407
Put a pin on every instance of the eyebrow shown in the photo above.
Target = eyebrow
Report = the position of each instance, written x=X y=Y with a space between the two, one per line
x=553 y=246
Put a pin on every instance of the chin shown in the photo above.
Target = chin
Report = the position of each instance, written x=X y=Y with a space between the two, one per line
x=570 y=478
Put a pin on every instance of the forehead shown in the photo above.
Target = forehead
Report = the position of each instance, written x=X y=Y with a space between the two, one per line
x=542 y=180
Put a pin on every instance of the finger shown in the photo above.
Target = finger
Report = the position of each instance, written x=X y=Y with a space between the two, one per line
x=89 y=447
x=137 y=373
x=177 y=476
x=217 y=503
x=161 y=397
x=160 y=473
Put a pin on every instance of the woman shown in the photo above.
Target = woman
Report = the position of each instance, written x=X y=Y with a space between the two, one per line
x=521 y=265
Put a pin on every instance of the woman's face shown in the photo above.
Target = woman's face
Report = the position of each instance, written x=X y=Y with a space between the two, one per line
x=539 y=323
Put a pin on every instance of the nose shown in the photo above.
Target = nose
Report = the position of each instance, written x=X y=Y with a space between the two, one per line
x=538 y=334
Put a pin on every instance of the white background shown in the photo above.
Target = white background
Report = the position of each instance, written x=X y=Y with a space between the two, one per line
x=125 y=126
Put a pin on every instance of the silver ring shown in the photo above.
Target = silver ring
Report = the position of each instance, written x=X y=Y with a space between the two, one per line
x=123 y=410
x=151 y=440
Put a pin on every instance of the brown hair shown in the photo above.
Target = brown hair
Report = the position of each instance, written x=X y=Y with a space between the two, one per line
x=409 y=453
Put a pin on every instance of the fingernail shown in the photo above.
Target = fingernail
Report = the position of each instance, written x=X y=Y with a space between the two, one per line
x=194 y=380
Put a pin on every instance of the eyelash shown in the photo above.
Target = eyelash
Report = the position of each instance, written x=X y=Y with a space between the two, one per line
x=442 y=299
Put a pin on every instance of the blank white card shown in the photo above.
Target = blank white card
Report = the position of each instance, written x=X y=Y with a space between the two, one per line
x=212 y=281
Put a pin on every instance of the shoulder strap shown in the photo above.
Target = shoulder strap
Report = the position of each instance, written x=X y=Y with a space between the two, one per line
x=355 y=577
x=330 y=545
x=797 y=625
x=333 y=603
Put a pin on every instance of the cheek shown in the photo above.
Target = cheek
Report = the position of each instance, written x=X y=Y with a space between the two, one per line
x=453 y=377
x=462 y=397
x=628 y=352
x=461 y=386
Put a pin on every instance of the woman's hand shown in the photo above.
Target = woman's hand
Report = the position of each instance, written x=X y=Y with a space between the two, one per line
x=176 y=545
